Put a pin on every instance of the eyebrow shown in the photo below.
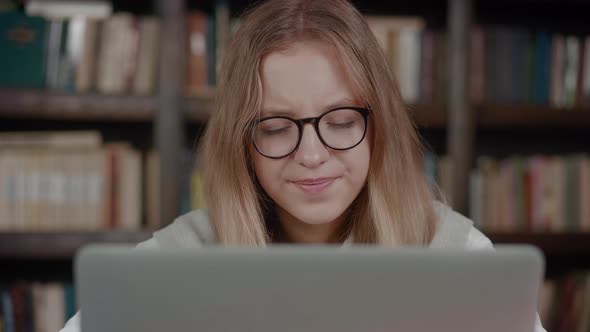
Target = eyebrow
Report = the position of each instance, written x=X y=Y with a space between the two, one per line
x=277 y=112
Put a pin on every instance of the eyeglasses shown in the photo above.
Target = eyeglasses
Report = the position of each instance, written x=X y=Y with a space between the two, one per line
x=341 y=128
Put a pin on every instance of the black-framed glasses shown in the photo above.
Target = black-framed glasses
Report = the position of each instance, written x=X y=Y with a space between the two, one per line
x=341 y=128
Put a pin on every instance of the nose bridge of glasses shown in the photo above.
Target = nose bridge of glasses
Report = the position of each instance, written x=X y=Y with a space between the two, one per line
x=312 y=122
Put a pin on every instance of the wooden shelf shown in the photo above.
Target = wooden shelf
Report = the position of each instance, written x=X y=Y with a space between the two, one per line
x=32 y=104
x=552 y=244
x=491 y=116
x=60 y=245
x=198 y=109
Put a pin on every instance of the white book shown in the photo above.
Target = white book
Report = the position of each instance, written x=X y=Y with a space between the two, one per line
x=94 y=177
x=57 y=191
x=117 y=46
x=86 y=65
x=130 y=171
x=65 y=9
x=409 y=64
x=148 y=56
x=20 y=191
x=76 y=41
x=572 y=67
x=5 y=191
x=54 y=315
x=404 y=56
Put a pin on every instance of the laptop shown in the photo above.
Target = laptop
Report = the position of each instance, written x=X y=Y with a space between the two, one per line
x=310 y=289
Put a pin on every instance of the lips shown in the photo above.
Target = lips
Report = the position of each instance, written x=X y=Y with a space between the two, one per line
x=314 y=186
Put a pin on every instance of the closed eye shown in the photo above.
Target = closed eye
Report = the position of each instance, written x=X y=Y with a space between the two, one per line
x=274 y=131
x=342 y=125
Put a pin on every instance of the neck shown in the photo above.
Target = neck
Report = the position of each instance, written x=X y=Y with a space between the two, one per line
x=293 y=230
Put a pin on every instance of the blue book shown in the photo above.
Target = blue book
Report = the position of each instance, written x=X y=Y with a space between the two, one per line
x=544 y=67
x=6 y=301
x=22 y=59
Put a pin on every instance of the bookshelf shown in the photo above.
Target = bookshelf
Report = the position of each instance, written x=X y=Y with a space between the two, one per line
x=172 y=116
x=553 y=245
x=530 y=116
x=170 y=112
x=60 y=245
x=35 y=104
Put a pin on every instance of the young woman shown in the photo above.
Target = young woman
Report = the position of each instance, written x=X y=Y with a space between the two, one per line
x=310 y=142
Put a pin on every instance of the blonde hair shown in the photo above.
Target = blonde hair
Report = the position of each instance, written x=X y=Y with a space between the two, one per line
x=395 y=207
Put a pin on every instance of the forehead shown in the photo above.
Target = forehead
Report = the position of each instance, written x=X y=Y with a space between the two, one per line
x=306 y=76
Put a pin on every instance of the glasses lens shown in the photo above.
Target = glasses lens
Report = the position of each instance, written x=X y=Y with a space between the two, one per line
x=276 y=137
x=342 y=129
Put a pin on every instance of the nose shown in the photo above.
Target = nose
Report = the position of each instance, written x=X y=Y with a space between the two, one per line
x=311 y=152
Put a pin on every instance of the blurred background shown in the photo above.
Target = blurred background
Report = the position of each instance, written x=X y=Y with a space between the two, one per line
x=102 y=104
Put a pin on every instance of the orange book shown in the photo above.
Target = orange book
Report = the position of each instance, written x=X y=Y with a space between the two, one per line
x=197 y=53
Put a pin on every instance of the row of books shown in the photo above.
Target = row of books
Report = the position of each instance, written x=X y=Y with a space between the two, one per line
x=36 y=306
x=56 y=181
x=564 y=303
x=507 y=65
x=514 y=65
x=417 y=56
x=207 y=34
x=538 y=193
x=99 y=52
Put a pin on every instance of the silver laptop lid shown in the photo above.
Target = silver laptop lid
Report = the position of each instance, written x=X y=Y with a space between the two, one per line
x=308 y=289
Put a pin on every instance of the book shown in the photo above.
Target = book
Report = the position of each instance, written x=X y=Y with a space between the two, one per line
x=51 y=139
x=148 y=56
x=557 y=62
x=117 y=51
x=197 y=53
x=540 y=193
x=62 y=183
x=571 y=68
x=67 y=9
x=85 y=61
x=23 y=44
x=400 y=38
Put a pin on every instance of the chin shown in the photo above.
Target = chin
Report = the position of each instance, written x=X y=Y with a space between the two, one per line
x=320 y=216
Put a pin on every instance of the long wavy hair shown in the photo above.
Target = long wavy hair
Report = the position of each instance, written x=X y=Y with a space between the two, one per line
x=394 y=208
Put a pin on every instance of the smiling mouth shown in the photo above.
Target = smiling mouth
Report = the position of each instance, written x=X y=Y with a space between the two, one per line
x=314 y=186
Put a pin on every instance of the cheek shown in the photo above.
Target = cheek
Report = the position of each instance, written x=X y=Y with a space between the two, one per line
x=360 y=163
x=267 y=171
x=358 y=159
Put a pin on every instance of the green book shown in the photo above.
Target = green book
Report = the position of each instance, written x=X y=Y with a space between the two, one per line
x=70 y=301
x=22 y=60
